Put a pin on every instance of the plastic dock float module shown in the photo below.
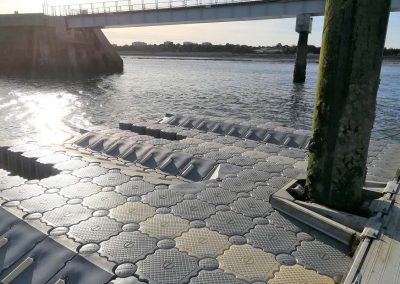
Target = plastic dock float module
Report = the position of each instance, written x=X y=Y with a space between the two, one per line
x=181 y=200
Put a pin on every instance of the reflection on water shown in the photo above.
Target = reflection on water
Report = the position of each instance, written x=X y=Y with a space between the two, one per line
x=50 y=111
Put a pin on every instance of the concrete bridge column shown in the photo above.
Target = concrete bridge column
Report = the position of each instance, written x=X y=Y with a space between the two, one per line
x=303 y=27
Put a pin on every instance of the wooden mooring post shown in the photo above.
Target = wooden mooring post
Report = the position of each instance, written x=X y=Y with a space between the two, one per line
x=349 y=69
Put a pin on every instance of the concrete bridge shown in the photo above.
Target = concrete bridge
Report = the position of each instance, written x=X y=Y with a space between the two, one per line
x=68 y=39
x=171 y=12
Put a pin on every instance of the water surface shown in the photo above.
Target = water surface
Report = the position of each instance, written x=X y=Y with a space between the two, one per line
x=50 y=111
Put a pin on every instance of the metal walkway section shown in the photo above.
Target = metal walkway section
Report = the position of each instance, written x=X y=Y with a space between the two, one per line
x=382 y=262
x=133 y=221
x=172 y=12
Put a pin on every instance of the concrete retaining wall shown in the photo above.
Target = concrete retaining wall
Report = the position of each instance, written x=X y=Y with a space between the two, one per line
x=50 y=49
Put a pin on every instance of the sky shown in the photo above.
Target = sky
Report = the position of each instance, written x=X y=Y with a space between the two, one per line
x=256 y=33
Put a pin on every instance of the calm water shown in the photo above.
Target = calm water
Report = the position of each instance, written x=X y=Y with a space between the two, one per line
x=151 y=87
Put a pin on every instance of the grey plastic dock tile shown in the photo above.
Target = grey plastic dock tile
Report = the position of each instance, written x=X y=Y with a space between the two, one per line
x=281 y=160
x=23 y=148
x=193 y=209
x=237 y=185
x=269 y=167
x=80 y=271
x=132 y=212
x=210 y=146
x=41 y=152
x=128 y=247
x=232 y=149
x=164 y=226
x=226 y=140
x=248 y=263
x=135 y=188
x=263 y=192
x=21 y=238
x=248 y=144
x=175 y=162
x=217 y=196
x=71 y=165
x=67 y=215
x=95 y=230
x=80 y=190
x=323 y=258
x=229 y=223
x=197 y=169
x=111 y=179
x=118 y=148
x=221 y=128
x=293 y=172
x=22 y=192
x=275 y=137
x=196 y=150
x=202 y=242
x=272 y=239
x=59 y=181
x=168 y=267
x=254 y=175
x=54 y=158
x=176 y=145
x=278 y=182
x=270 y=148
x=102 y=144
x=154 y=158
x=90 y=171
x=215 y=276
x=43 y=203
x=137 y=152
x=218 y=156
x=238 y=130
x=104 y=200
x=251 y=207
x=242 y=161
x=188 y=188
x=294 y=154
x=256 y=155
x=162 y=198
x=10 y=181
x=283 y=221
x=87 y=139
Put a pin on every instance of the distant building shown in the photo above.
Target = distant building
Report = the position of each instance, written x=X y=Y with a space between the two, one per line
x=168 y=43
x=268 y=50
x=206 y=43
x=139 y=44
x=188 y=43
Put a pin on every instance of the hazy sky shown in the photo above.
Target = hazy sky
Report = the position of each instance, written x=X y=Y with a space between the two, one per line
x=266 y=32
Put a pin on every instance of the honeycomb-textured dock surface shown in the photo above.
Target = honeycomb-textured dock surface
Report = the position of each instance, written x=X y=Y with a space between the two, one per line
x=182 y=201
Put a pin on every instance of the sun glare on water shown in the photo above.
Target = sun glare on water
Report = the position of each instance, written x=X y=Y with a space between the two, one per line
x=47 y=115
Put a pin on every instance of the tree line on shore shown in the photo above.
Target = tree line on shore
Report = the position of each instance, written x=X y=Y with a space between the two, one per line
x=225 y=48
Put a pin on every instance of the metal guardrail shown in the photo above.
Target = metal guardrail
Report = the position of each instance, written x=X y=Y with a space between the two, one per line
x=129 y=6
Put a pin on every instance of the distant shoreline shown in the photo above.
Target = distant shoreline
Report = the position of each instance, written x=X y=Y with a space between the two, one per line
x=226 y=56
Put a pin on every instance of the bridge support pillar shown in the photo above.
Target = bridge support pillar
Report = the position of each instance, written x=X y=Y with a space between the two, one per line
x=303 y=27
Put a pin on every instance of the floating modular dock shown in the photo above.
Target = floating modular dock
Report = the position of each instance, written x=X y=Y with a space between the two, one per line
x=181 y=200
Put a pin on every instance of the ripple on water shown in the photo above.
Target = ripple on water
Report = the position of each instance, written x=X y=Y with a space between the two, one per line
x=151 y=87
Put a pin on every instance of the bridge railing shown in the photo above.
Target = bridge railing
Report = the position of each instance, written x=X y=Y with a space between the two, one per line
x=130 y=5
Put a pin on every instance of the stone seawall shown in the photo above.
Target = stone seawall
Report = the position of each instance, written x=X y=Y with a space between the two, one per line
x=48 y=48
